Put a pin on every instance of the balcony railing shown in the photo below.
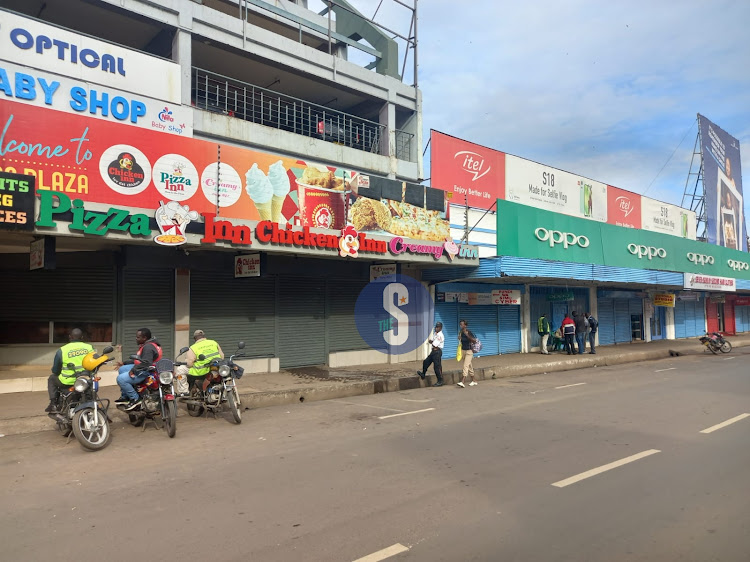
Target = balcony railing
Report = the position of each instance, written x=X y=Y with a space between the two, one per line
x=220 y=94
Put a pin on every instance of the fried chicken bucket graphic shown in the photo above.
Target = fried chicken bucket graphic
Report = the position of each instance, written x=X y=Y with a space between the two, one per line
x=322 y=199
x=172 y=219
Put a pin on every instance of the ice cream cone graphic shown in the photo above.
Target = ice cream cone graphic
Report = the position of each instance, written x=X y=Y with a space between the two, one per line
x=259 y=189
x=276 y=204
x=265 y=210
x=279 y=180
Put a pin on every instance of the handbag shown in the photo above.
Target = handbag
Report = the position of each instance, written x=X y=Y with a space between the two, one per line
x=459 y=354
x=476 y=347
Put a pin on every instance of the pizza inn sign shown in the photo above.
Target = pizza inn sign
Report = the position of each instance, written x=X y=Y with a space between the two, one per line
x=58 y=207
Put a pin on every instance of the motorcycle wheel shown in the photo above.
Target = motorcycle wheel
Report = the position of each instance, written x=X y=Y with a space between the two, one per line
x=194 y=410
x=234 y=407
x=714 y=348
x=726 y=347
x=89 y=436
x=170 y=421
x=136 y=421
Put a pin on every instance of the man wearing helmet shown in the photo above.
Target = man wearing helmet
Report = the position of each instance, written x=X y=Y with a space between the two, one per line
x=68 y=359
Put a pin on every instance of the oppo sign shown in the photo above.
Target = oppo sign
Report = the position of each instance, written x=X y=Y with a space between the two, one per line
x=555 y=237
x=738 y=265
x=649 y=252
x=700 y=259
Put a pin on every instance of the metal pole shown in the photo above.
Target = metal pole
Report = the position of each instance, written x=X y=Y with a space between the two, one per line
x=329 y=27
x=416 y=65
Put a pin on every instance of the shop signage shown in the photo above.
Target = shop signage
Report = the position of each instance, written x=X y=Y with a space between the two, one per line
x=439 y=297
x=742 y=301
x=349 y=243
x=42 y=253
x=480 y=298
x=16 y=201
x=506 y=296
x=664 y=299
x=648 y=308
x=89 y=222
x=247 y=265
x=383 y=269
x=717 y=298
x=709 y=282
x=38 y=45
x=451 y=297
x=172 y=220
x=223 y=230
x=463 y=298
x=688 y=296
x=535 y=233
x=561 y=297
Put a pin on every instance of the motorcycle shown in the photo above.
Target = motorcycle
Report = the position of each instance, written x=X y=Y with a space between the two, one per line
x=222 y=388
x=81 y=411
x=716 y=342
x=157 y=397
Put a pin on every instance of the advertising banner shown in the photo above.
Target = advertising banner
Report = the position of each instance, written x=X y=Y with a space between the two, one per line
x=467 y=170
x=381 y=270
x=16 y=201
x=101 y=162
x=704 y=282
x=623 y=207
x=38 y=45
x=667 y=219
x=42 y=89
x=480 y=298
x=506 y=296
x=535 y=233
x=722 y=178
x=540 y=186
x=664 y=299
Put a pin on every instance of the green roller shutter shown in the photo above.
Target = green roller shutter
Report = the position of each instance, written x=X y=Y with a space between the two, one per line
x=302 y=324
x=231 y=310
x=342 y=328
x=148 y=302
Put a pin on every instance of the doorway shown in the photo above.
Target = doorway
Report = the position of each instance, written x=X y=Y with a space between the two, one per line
x=657 y=323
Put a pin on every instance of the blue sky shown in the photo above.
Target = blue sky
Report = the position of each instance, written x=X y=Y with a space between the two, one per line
x=604 y=90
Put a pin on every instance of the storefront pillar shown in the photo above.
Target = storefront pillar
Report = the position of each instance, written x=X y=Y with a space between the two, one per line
x=181 y=309
x=182 y=54
x=526 y=325
x=669 y=319
x=594 y=309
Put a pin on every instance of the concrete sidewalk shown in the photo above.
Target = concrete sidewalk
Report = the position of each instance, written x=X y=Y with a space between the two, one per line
x=22 y=412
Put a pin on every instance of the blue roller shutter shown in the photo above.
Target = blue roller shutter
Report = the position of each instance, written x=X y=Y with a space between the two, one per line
x=606 y=321
x=742 y=318
x=482 y=321
x=680 y=319
x=622 y=320
x=447 y=313
x=509 y=322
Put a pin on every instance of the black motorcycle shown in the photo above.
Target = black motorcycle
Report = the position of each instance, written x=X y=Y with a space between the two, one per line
x=221 y=389
x=716 y=342
x=80 y=411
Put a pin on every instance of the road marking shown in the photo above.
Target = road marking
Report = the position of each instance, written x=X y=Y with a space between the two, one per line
x=569 y=385
x=662 y=370
x=367 y=406
x=726 y=423
x=392 y=550
x=412 y=400
x=605 y=468
x=729 y=358
x=405 y=413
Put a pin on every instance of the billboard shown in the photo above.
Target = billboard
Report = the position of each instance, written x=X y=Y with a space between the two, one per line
x=722 y=180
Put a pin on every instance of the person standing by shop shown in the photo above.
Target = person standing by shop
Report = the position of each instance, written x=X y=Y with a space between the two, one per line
x=543 y=328
x=580 y=323
x=68 y=359
x=568 y=329
x=466 y=338
x=593 y=325
x=435 y=357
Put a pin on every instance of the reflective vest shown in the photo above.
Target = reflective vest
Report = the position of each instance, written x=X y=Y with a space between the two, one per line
x=210 y=350
x=74 y=352
x=140 y=350
x=543 y=325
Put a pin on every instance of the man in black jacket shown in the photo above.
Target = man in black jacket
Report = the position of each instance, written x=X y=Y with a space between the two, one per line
x=580 y=322
x=133 y=372
x=593 y=326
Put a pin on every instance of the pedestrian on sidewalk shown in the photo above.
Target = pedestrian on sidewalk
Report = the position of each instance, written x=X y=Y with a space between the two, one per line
x=466 y=338
x=568 y=329
x=593 y=326
x=543 y=328
x=580 y=323
x=67 y=360
x=435 y=358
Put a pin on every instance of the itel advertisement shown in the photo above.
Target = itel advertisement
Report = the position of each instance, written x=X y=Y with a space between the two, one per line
x=722 y=178
x=102 y=162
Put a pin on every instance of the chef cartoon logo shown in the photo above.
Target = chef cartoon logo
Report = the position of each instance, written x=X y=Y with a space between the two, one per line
x=172 y=219
x=349 y=242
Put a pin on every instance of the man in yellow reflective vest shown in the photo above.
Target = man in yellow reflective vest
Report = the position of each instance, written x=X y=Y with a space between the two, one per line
x=68 y=360
x=199 y=368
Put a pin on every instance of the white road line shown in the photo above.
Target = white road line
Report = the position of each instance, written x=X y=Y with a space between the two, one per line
x=662 y=370
x=405 y=414
x=411 y=400
x=569 y=385
x=729 y=358
x=726 y=423
x=605 y=468
x=368 y=406
x=392 y=550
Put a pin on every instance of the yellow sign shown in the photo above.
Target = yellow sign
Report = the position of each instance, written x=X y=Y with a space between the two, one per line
x=664 y=299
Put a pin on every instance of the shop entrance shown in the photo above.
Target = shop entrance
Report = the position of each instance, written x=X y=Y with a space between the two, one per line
x=657 y=323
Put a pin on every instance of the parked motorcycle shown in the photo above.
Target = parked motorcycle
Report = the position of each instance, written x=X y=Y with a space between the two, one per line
x=80 y=411
x=716 y=342
x=222 y=388
x=157 y=397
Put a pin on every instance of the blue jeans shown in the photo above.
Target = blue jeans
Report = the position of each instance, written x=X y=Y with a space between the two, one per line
x=581 y=339
x=592 y=341
x=126 y=382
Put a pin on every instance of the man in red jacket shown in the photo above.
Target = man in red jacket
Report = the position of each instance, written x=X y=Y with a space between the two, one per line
x=568 y=329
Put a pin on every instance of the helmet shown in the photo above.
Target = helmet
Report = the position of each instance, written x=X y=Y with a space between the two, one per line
x=93 y=360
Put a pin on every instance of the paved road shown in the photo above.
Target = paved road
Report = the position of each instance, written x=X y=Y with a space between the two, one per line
x=559 y=467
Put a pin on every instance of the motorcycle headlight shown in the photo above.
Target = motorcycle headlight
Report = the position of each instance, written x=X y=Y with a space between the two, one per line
x=166 y=377
x=81 y=384
x=224 y=371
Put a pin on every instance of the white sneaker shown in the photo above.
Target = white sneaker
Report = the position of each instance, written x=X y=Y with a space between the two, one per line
x=462 y=385
x=473 y=383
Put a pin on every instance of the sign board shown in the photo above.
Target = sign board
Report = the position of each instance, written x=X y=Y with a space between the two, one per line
x=742 y=301
x=688 y=296
x=382 y=269
x=506 y=296
x=480 y=298
x=42 y=253
x=709 y=283
x=664 y=299
x=561 y=297
x=717 y=298
x=463 y=297
x=247 y=265
x=16 y=200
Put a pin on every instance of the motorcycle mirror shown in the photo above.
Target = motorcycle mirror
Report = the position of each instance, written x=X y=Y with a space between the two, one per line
x=184 y=350
x=108 y=349
x=241 y=345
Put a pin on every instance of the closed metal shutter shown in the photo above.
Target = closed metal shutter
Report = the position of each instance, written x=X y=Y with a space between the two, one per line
x=482 y=321
x=447 y=313
x=302 y=325
x=509 y=321
x=606 y=321
x=743 y=318
x=680 y=318
x=148 y=302
x=622 y=321
x=231 y=310
x=343 y=334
